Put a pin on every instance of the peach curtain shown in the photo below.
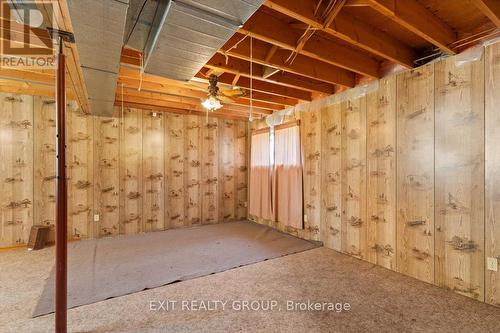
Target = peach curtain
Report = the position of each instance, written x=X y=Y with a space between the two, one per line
x=260 y=177
x=288 y=177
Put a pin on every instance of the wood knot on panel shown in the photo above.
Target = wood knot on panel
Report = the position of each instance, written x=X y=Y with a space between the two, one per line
x=23 y=124
x=415 y=222
x=419 y=254
x=378 y=219
x=355 y=221
x=18 y=204
x=82 y=184
x=10 y=180
x=386 y=250
x=155 y=176
x=462 y=244
x=133 y=195
x=132 y=218
x=383 y=152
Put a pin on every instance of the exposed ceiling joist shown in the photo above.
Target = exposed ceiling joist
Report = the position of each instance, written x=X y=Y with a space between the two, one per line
x=417 y=19
x=262 y=99
x=179 y=110
x=267 y=28
x=349 y=29
x=490 y=8
x=262 y=86
x=184 y=101
x=300 y=65
x=242 y=67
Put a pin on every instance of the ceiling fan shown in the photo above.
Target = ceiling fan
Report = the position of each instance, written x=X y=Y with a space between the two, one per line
x=216 y=95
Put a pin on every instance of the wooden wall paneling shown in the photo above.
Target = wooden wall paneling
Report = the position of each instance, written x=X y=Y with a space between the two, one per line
x=311 y=140
x=153 y=169
x=192 y=168
x=459 y=170
x=80 y=173
x=16 y=149
x=492 y=195
x=241 y=169
x=354 y=226
x=131 y=196
x=226 y=170
x=174 y=171
x=331 y=170
x=210 y=174
x=107 y=176
x=415 y=173
x=381 y=174
x=44 y=161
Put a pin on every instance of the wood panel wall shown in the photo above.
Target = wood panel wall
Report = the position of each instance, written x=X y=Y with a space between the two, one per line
x=80 y=173
x=16 y=183
x=381 y=174
x=107 y=176
x=139 y=172
x=353 y=189
x=310 y=124
x=415 y=173
x=492 y=151
x=459 y=172
x=331 y=176
x=408 y=173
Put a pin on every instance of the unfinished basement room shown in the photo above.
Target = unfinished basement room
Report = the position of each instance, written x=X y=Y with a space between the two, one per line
x=249 y=166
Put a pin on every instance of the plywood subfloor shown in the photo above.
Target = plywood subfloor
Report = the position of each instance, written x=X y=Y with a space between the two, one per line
x=381 y=300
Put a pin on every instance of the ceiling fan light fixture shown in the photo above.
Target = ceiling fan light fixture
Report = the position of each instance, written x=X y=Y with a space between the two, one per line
x=212 y=103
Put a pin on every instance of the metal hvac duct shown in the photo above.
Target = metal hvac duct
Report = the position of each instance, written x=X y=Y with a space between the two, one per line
x=99 y=27
x=193 y=31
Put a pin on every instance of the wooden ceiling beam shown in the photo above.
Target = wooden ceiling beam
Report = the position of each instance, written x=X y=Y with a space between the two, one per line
x=147 y=101
x=267 y=28
x=178 y=110
x=180 y=101
x=301 y=65
x=417 y=19
x=242 y=67
x=242 y=81
x=199 y=90
x=349 y=29
x=261 y=86
x=490 y=8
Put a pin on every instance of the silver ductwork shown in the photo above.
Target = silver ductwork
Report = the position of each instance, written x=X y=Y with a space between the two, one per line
x=99 y=27
x=194 y=30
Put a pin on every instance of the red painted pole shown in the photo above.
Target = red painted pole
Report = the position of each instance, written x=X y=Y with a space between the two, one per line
x=61 y=197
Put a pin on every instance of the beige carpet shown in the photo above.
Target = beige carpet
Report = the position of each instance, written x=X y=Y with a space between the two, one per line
x=381 y=300
x=116 y=266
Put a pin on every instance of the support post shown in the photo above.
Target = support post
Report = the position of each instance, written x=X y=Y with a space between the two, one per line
x=61 y=197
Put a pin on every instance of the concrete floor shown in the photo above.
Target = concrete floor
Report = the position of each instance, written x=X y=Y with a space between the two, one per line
x=380 y=300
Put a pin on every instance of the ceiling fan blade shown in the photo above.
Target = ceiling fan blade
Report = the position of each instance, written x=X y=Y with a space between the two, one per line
x=226 y=99
x=233 y=92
